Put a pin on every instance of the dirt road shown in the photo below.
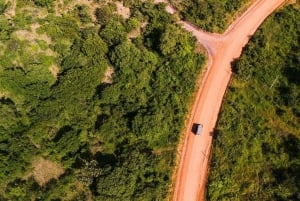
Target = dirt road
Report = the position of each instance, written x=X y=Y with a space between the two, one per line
x=222 y=49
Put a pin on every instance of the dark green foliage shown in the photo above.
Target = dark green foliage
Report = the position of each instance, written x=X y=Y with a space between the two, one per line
x=61 y=29
x=211 y=15
x=132 y=24
x=174 y=43
x=145 y=87
x=15 y=152
x=257 y=148
x=115 y=139
x=9 y=119
x=132 y=175
x=27 y=91
x=83 y=14
x=113 y=32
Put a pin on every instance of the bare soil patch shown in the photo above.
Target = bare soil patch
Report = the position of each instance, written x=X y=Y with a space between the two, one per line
x=32 y=35
x=54 y=70
x=199 y=49
x=45 y=170
x=2 y=94
x=34 y=12
x=11 y=11
x=122 y=10
x=108 y=75
x=96 y=147
x=136 y=32
x=62 y=7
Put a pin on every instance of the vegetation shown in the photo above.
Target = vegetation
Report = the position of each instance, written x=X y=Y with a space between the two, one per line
x=112 y=140
x=210 y=15
x=257 y=147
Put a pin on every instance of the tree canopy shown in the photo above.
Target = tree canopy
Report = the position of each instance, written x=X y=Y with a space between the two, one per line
x=78 y=92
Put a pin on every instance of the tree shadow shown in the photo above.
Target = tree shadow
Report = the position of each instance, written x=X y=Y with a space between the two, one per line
x=6 y=101
x=234 y=65
x=291 y=146
x=100 y=120
x=61 y=132
x=293 y=75
x=215 y=133
x=100 y=88
x=105 y=159
x=151 y=40
x=289 y=176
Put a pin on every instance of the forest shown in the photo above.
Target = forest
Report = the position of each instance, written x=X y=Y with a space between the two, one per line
x=92 y=100
x=210 y=15
x=256 y=151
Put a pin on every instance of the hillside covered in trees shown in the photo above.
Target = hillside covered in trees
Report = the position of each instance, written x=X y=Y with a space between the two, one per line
x=256 y=153
x=93 y=97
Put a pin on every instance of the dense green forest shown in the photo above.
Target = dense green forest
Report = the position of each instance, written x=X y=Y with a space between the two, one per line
x=92 y=100
x=210 y=15
x=256 y=153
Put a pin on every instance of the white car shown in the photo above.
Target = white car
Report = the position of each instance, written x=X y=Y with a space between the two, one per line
x=198 y=130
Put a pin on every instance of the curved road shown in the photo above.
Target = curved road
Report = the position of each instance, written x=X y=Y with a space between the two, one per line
x=222 y=49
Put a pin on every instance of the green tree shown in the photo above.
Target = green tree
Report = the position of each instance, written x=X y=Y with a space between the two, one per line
x=113 y=32
x=175 y=43
x=5 y=28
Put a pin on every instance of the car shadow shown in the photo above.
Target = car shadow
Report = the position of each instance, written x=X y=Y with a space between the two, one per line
x=194 y=128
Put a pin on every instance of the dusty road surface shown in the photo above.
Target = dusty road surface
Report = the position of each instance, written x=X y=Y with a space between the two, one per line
x=222 y=49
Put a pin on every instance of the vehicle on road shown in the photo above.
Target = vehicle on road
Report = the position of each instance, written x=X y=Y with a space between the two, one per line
x=197 y=129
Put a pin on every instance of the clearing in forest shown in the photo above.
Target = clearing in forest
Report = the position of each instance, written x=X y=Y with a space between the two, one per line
x=45 y=170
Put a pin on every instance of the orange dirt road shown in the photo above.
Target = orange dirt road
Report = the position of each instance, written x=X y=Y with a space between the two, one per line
x=222 y=49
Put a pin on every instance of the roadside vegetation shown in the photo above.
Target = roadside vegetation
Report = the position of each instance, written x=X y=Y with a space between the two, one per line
x=87 y=112
x=210 y=15
x=256 y=151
